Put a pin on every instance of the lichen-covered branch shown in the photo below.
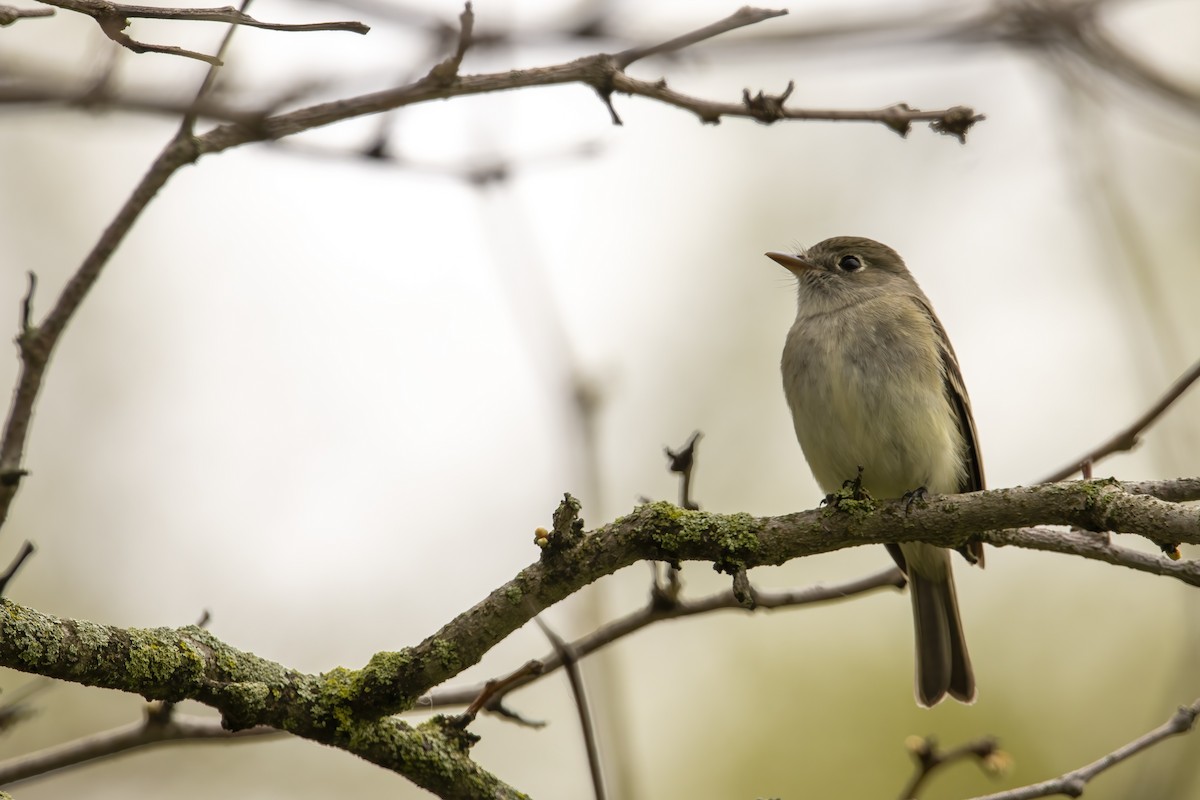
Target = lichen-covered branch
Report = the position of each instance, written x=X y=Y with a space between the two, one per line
x=663 y=532
x=339 y=707
x=190 y=663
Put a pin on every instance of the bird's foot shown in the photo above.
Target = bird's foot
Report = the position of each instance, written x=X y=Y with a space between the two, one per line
x=917 y=494
x=852 y=492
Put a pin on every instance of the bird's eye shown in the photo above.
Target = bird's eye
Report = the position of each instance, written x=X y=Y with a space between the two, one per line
x=850 y=263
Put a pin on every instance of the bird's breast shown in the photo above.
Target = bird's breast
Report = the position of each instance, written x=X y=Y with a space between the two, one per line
x=866 y=387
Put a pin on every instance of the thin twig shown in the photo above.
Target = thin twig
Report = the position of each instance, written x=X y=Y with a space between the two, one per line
x=113 y=18
x=1073 y=783
x=890 y=578
x=1096 y=547
x=25 y=552
x=1128 y=438
x=447 y=71
x=489 y=695
x=16 y=706
x=682 y=463
x=739 y=19
x=10 y=14
x=188 y=124
x=929 y=758
x=134 y=736
x=226 y=14
x=570 y=662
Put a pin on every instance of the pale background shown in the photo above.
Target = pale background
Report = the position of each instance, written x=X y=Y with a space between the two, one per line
x=328 y=399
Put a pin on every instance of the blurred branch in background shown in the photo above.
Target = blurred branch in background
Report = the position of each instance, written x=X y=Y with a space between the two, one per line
x=930 y=758
x=658 y=611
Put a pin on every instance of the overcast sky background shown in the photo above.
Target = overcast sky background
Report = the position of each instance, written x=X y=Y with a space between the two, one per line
x=328 y=399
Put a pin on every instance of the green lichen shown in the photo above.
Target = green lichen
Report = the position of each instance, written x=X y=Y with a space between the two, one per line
x=513 y=594
x=446 y=654
x=851 y=499
x=250 y=697
x=162 y=662
x=330 y=697
x=379 y=678
x=680 y=533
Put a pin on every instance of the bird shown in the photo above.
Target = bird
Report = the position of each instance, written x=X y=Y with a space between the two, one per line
x=876 y=394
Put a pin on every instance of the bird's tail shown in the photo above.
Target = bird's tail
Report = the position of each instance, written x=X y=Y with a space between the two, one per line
x=943 y=665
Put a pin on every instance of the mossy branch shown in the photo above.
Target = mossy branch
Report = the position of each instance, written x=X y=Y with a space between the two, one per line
x=340 y=707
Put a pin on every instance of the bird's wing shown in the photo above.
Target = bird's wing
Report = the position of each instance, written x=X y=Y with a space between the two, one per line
x=956 y=391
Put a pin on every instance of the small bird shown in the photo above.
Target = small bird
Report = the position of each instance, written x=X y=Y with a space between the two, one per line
x=873 y=384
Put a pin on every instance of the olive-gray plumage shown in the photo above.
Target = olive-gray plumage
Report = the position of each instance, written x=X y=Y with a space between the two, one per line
x=872 y=382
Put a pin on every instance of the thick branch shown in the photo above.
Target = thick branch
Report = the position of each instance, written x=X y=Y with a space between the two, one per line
x=190 y=663
x=662 y=532
x=338 y=708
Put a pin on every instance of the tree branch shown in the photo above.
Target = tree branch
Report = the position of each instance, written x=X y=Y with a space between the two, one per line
x=113 y=18
x=739 y=19
x=190 y=663
x=135 y=736
x=1072 y=784
x=10 y=14
x=930 y=758
x=349 y=708
x=1127 y=439
x=657 y=611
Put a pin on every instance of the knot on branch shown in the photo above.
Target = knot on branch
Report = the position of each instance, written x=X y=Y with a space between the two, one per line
x=566 y=529
x=767 y=108
x=454 y=734
x=898 y=118
x=956 y=122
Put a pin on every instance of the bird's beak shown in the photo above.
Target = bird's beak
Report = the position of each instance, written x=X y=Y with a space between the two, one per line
x=793 y=264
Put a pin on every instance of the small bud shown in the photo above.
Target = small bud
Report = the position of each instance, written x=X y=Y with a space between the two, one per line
x=998 y=763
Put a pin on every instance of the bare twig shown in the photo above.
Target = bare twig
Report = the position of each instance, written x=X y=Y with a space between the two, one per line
x=493 y=689
x=929 y=758
x=113 y=18
x=1096 y=547
x=188 y=125
x=10 y=14
x=71 y=96
x=682 y=462
x=447 y=71
x=1072 y=784
x=25 y=552
x=1128 y=438
x=16 y=706
x=739 y=19
x=570 y=662
x=145 y=733
x=27 y=304
x=890 y=578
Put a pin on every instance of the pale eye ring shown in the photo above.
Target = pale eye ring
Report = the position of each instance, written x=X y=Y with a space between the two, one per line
x=850 y=263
